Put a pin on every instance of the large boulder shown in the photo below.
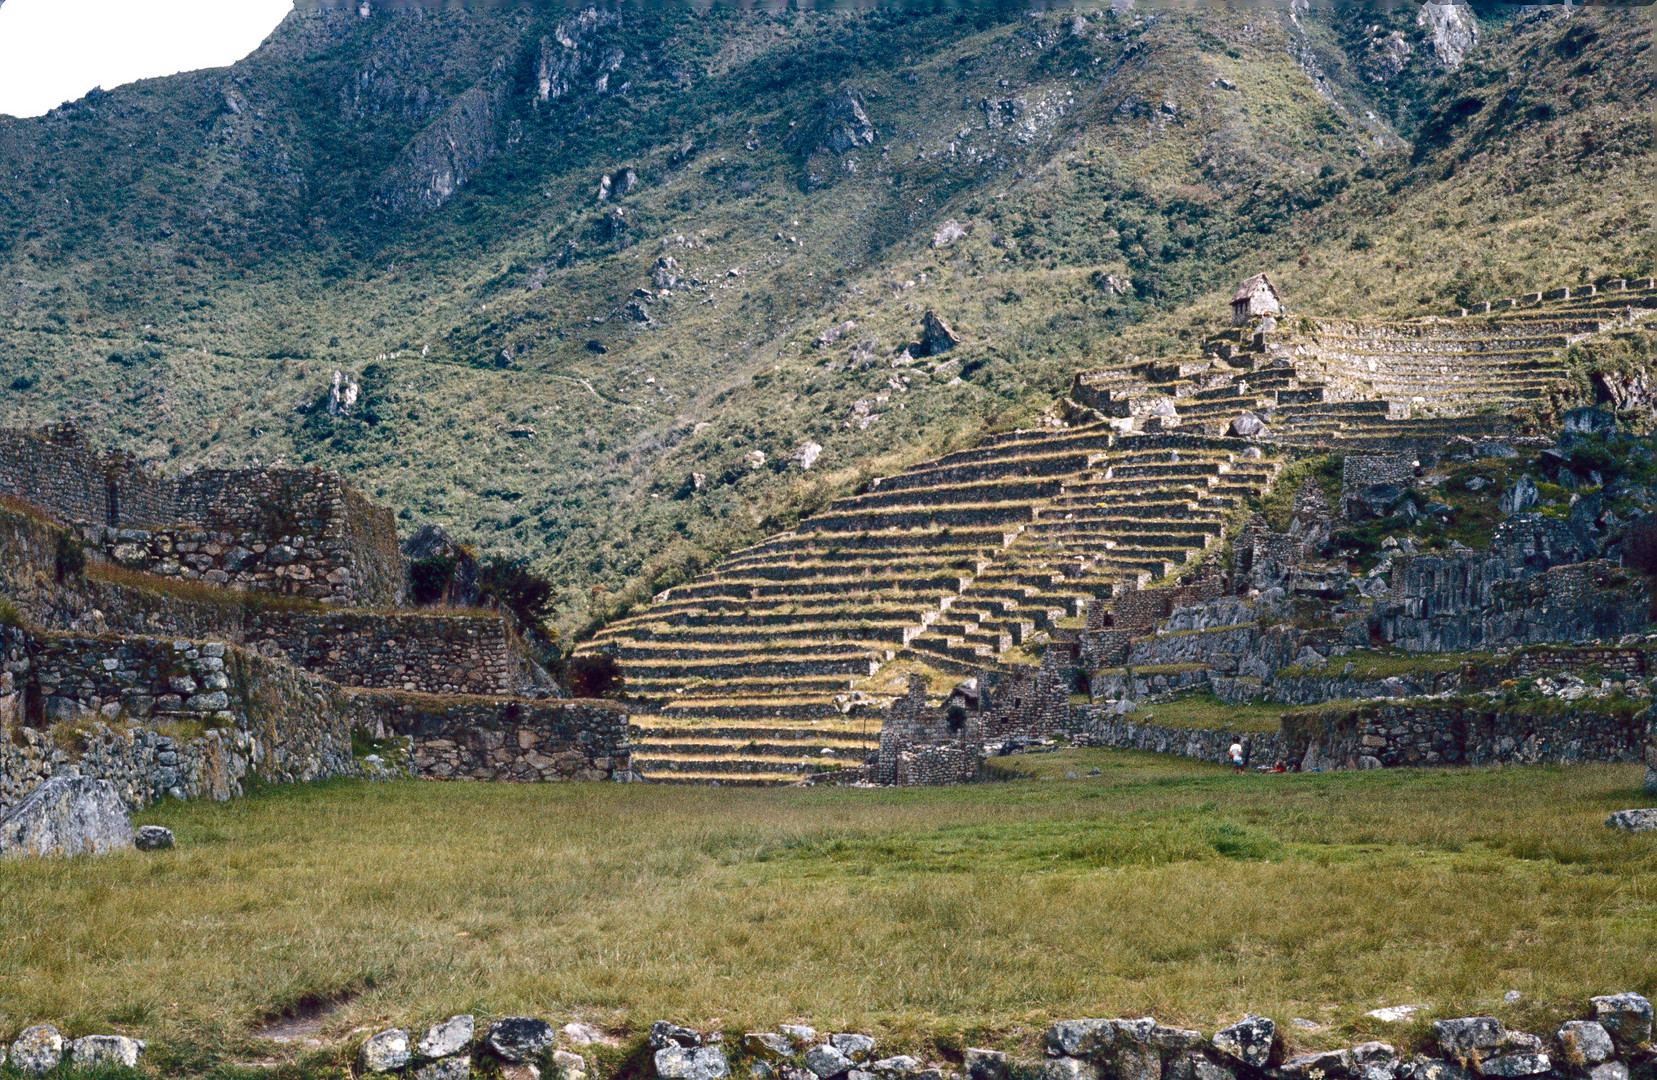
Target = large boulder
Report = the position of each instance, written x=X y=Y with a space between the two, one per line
x=1246 y=426
x=519 y=1038
x=1584 y=1043
x=936 y=335
x=452 y=1036
x=384 y=1052
x=1633 y=820
x=103 y=1051
x=67 y=815
x=675 y=1062
x=1520 y=497
x=38 y=1050
x=1469 y=1038
x=1250 y=1041
x=1627 y=1017
x=826 y=1061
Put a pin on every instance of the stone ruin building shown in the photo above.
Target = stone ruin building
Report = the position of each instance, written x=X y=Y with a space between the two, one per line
x=1120 y=547
x=1255 y=298
x=176 y=634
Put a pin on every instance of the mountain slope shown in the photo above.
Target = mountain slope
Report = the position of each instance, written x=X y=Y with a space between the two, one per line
x=413 y=199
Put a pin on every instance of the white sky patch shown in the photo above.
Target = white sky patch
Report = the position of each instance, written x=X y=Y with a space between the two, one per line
x=52 y=51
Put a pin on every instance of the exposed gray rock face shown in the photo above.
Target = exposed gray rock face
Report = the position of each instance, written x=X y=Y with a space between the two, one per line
x=153 y=838
x=1249 y=1041
x=38 y=1050
x=450 y=1037
x=384 y=1052
x=1246 y=426
x=768 y=1045
x=854 y=1046
x=1520 y=497
x=67 y=815
x=518 y=1038
x=985 y=1064
x=826 y=1061
x=440 y=160
x=1511 y=1065
x=663 y=1034
x=1452 y=29
x=1633 y=821
x=1069 y=1068
x=691 y=1063
x=846 y=124
x=95 y=1051
x=936 y=335
x=1330 y=1063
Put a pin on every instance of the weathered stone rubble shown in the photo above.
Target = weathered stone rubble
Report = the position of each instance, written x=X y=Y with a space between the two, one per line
x=1602 y=1046
x=41 y=1048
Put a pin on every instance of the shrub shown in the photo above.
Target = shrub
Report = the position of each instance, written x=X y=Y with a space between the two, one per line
x=515 y=587
x=70 y=556
x=594 y=675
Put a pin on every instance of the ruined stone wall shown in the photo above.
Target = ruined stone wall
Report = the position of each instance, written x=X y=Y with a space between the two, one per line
x=430 y=651
x=1096 y=726
x=163 y=717
x=1459 y=601
x=1136 y=607
x=1388 y=734
x=58 y=471
x=517 y=740
x=916 y=746
x=298 y=532
x=427 y=652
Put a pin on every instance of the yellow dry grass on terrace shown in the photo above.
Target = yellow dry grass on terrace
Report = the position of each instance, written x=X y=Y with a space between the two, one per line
x=933 y=917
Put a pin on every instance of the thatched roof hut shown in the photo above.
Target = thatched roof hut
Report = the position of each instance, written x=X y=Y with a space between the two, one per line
x=1255 y=297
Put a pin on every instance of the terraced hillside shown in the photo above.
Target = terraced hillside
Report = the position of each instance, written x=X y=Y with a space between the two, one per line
x=943 y=567
x=748 y=671
x=1354 y=385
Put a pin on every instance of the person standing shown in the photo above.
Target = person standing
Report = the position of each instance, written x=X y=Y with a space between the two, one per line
x=1236 y=755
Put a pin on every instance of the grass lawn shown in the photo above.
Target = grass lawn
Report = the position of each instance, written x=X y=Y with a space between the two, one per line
x=934 y=917
x=1201 y=709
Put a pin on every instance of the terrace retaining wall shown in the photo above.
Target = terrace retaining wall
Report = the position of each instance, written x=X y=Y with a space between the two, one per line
x=518 y=740
x=124 y=708
x=1388 y=734
x=299 y=532
x=428 y=651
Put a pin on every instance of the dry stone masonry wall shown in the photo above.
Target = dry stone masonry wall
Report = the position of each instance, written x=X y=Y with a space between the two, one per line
x=1611 y=1040
x=460 y=739
x=298 y=532
x=162 y=717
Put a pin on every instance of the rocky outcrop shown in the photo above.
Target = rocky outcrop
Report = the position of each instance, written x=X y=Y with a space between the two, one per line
x=1451 y=28
x=67 y=815
x=439 y=161
x=843 y=124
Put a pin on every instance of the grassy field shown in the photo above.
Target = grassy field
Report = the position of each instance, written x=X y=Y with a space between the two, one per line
x=938 y=918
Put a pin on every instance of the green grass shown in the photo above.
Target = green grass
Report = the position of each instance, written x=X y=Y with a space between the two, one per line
x=1204 y=711
x=931 y=916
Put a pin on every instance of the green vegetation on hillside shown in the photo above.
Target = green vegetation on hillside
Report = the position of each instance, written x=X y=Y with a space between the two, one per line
x=189 y=260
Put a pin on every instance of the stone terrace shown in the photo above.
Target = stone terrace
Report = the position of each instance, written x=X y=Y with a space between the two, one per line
x=945 y=566
x=1366 y=385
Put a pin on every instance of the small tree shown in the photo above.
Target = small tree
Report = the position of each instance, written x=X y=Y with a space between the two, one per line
x=595 y=675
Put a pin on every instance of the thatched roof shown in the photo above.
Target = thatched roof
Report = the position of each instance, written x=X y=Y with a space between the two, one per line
x=1251 y=286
